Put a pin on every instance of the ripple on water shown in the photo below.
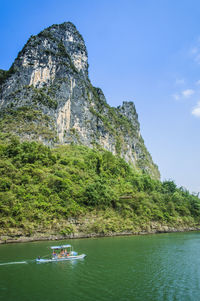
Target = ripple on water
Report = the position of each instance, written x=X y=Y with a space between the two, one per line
x=160 y=267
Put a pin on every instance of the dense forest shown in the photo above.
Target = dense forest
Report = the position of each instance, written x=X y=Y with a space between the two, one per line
x=72 y=189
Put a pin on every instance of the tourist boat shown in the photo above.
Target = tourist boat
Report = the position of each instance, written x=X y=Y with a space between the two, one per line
x=61 y=253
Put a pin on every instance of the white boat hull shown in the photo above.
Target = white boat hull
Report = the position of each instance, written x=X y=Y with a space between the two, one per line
x=60 y=259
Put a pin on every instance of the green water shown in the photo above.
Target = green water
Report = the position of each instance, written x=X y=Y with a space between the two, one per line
x=154 y=267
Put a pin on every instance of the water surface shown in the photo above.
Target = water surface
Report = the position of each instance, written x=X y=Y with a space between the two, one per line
x=153 y=267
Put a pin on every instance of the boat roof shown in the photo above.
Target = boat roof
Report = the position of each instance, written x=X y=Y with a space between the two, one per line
x=60 y=247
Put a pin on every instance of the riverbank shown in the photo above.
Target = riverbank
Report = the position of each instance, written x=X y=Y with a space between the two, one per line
x=96 y=223
x=50 y=236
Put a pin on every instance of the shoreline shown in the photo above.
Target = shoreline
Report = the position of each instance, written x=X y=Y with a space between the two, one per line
x=51 y=237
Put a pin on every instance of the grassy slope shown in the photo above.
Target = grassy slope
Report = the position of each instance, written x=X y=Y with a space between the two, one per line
x=73 y=189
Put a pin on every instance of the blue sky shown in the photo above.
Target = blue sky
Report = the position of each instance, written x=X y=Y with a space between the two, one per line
x=145 y=51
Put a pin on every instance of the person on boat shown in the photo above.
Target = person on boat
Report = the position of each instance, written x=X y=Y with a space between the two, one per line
x=54 y=253
x=62 y=253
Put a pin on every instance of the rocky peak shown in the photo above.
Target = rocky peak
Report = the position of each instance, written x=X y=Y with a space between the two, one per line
x=129 y=111
x=48 y=92
x=55 y=52
x=66 y=35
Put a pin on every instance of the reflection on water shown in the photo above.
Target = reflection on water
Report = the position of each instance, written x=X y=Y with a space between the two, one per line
x=154 y=267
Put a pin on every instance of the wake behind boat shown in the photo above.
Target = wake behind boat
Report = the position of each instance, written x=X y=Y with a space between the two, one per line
x=61 y=253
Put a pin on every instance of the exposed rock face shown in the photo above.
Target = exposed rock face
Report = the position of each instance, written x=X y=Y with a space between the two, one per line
x=48 y=85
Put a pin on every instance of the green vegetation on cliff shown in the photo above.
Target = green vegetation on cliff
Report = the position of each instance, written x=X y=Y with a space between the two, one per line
x=27 y=122
x=43 y=189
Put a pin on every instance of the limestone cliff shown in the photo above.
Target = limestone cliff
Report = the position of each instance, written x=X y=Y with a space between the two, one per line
x=46 y=95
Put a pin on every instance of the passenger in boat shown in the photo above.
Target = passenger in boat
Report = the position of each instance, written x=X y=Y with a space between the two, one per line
x=54 y=253
x=62 y=253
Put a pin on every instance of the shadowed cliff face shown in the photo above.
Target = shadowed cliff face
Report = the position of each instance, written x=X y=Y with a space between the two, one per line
x=47 y=95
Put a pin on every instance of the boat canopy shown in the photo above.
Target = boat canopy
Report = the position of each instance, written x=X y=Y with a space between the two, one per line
x=60 y=247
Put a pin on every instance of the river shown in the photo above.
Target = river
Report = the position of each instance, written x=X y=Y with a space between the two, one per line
x=150 y=267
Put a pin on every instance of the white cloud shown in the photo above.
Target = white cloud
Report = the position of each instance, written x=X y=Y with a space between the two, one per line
x=180 y=81
x=195 y=51
x=196 y=110
x=176 y=96
x=187 y=93
x=197 y=58
x=183 y=94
